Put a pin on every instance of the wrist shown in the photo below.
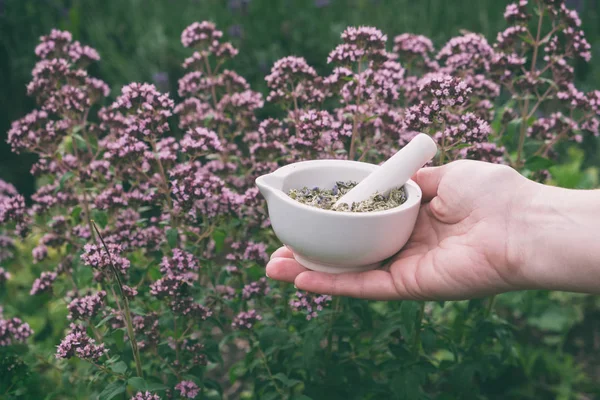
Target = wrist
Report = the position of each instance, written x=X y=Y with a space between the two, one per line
x=556 y=246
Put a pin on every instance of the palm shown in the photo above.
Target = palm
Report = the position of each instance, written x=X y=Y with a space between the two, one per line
x=445 y=261
x=457 y=249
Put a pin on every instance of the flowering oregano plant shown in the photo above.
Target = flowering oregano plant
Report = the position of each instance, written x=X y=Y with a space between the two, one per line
x=147 y=224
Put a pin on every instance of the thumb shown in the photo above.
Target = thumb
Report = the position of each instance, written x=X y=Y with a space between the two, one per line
x=429 y=180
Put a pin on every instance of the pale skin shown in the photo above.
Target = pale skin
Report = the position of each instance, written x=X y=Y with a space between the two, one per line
x=483 y=229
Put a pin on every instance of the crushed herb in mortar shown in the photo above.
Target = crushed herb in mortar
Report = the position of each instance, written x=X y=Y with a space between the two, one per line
x=326 y=198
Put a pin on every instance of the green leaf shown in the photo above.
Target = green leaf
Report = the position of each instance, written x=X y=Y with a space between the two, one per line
x=76 y=213
x=137 y=383
x=301 y=397
x=428 y=339
x=119 y=367
x=100 y=217
x=272 y=336
x=408 y=312
x=271 y=396
x=537 y=163
x=140 y=384
x=172 y=237
x=237 y=371
x=311 y=346
x=66 y=176
x=81 y=143
x=104 y=321
x=219 y=238
x=137 y=311
x=118 y=337
x=112 y=390
x=512 y=131
x=285 y=380
x=212 y=384
x=554 y=319
x=154 y=272
x=372 y=117
x=155 y=387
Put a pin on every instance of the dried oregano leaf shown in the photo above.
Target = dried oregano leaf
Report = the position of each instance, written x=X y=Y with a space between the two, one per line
x=326 y=198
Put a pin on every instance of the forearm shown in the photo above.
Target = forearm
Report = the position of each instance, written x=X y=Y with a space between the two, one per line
x=560 y=239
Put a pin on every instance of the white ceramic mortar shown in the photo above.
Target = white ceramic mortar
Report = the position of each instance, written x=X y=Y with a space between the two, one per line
x=333 y=241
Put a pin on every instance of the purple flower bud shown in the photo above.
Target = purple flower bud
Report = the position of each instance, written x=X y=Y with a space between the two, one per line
x=78 y=344
x=86 y=307
x=145 y=396
x=13 y=331
x=310 y=304
x=245 y=320
x=187 y=389
x=43 y=283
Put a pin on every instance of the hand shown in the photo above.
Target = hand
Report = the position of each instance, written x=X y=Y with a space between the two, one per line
x=462 y=245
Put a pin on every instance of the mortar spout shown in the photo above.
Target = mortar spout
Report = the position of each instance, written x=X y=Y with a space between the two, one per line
x=268 y=184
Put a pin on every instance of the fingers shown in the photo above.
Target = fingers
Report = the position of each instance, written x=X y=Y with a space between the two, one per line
x=282 y=252
x=372 y=285
x=428 y=180
x=284 y=269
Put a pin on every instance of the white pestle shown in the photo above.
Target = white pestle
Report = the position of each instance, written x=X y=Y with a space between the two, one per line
x=395 y=172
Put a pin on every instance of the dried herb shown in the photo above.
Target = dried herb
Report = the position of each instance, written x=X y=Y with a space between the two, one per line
x=326 y=198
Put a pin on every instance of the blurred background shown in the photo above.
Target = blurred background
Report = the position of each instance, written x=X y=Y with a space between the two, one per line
x=139 y=40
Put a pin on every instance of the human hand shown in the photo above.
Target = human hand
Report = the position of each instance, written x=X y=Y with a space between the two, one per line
x=463 y=245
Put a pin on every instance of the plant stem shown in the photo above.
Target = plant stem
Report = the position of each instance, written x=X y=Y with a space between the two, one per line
x=331 y=320
x=443 y=147
x=354 y=139
x=525 y=109
x=86 y=206
x=212 y=87
x=107 y=371
x=264 y=359
x=417 y=339
x=176 y=338
x=490 y=306
x=163 y=175
x=127 y=311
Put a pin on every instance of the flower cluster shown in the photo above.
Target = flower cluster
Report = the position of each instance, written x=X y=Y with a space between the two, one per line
x=145 y=396
x=470 y=51
x=13 y=330
x=309 y=304
x=413 y=48
x=246 y=320
x=293 y=80
x=180 y=262
x=86 y=307
x=259 y=288
x=187 y=389
x=43 y=283
x=12 y=208
x=102 y=258
x=78 y=344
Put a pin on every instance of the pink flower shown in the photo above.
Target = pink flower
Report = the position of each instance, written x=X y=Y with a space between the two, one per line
x=86 y=307
x=246 y=320
x=145 y=396
x=310 y=304
x=13 y=331
x=200 y=34
x=43 y=283
x=78 y=344
x=187 y=389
